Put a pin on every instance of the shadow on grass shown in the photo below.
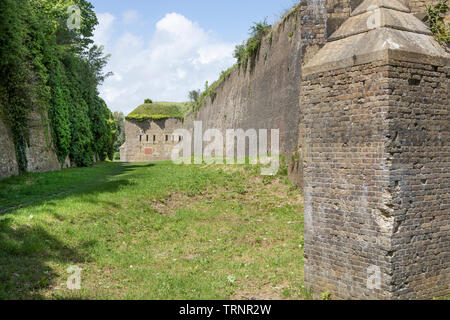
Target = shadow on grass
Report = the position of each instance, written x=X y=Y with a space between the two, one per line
x=35 y=196
x=26 y=253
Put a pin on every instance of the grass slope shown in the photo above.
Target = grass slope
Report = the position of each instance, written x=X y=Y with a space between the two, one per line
x=152 y=231
x=159 y=110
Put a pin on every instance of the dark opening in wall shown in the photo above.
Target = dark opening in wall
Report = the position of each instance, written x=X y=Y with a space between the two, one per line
x=167 y=138
x=414 y=82
x=154 y=138
x=147 y=138
x=140 y=138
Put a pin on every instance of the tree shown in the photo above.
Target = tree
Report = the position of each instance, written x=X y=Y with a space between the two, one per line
x=119 y=120
x=194 y=95
x=240 y=53
x=148 y=101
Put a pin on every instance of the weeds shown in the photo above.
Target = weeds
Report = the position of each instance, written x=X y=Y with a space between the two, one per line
x=436 y=19
x=247 y=51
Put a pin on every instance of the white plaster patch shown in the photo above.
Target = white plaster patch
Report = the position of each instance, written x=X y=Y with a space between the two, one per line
x=391 y=44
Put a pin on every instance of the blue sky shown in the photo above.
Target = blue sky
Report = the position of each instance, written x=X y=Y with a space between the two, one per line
x=163 y=49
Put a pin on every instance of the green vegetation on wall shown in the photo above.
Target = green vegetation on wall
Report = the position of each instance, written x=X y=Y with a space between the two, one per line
x=247 y=51
x=436 y=18
x=243 y=53
x=159 y=111
x=210 y=91
x=45 y=65
x=16 y=64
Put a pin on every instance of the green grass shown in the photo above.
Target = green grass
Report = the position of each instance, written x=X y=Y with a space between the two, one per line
x=159 y=110
x=32 y=187
x=152 y=231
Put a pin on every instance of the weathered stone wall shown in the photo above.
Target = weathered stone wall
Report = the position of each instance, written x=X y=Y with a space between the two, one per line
x=40 y=151
x=419 y=161
x=419 y=6
x=149 y=140
x=8 y=163
x=266 y=96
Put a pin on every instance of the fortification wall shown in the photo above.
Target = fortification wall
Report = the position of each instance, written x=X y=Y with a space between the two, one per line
x=345 y=179
x=358 y=215
x=149 y=140
x=39 y=151
x=418 y=152
x=376 y=136
x=377 y=182
x=266 y=95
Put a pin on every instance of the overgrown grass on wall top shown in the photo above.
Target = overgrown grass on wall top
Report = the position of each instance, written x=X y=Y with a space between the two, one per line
x=159 y=111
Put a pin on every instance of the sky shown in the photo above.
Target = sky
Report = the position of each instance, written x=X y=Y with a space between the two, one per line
x=163 y=49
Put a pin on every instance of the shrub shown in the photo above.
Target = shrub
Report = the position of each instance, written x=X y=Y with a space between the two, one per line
x=148 y=101
x=436 y=18
x=249 y=50
x=194 y=95
x=240 y=53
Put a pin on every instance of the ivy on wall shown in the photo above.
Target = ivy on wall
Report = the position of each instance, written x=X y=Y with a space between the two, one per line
x=44 y=64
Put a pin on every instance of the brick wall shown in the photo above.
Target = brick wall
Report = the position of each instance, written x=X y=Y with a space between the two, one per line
x=419 y=164
x=376 y=159
x=345 y=180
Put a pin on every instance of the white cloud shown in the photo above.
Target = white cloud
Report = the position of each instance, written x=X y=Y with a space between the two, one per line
x=130 y=17
x=180 y=56
x=104 y=30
